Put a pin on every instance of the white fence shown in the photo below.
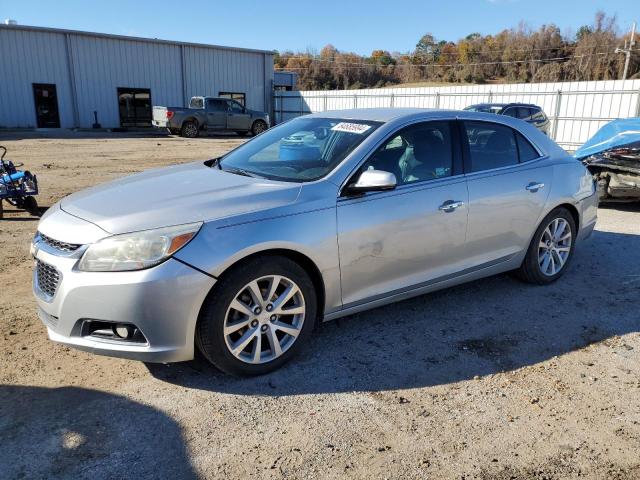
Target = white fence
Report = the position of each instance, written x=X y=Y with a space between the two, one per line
x=576 y=109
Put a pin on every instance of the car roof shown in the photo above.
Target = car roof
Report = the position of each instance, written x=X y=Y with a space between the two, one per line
x=382 y=114
x=512 y=104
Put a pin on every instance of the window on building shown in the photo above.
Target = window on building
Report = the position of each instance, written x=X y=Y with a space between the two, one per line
x=237 y=96
x=134 y=105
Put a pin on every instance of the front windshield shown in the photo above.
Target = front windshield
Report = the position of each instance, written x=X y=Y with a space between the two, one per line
x=301 y=150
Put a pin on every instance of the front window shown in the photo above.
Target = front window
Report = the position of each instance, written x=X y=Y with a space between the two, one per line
x=239 y=97
x=416 y=153
x=304 y=149
x=234 y=107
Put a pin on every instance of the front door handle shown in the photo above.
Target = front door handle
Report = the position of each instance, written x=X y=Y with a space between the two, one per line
x=533 y=187
x=450 y=206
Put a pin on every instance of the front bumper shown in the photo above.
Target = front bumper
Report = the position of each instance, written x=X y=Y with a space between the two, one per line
x=163 y=302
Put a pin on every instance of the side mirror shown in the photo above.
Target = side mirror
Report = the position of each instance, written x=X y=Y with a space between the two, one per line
x=373 y=181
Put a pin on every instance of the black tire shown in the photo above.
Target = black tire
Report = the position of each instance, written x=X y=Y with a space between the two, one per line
x=209 y=337
x=31 y=205
x=258 y=127
x=530 y=271
x=190 y=129
x=242 y=133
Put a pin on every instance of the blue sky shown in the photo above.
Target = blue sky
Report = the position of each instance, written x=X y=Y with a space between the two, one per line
x=350 y=25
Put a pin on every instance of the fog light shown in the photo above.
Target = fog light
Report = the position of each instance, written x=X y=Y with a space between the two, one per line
x=123 y=331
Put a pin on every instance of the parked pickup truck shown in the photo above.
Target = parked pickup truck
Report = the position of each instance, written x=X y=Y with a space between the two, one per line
x=211 y=114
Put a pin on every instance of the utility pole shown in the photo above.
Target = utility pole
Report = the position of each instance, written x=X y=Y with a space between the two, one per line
x=627 y=51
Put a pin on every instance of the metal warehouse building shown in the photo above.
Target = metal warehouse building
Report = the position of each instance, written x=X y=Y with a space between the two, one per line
x=58 y=78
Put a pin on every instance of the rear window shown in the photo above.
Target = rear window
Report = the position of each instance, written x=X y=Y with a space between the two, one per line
x=490 y=145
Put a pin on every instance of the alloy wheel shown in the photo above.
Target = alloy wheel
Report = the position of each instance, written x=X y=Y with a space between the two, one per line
x=190 y=130
x=264 y=319
x=554 y=247
x=259 y=128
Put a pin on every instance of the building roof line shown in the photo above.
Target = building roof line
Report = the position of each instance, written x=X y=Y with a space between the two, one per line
x=129 y=38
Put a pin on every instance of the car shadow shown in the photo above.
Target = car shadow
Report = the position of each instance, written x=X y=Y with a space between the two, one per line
x=74 y=432
x=481 y=328
x=622 y=206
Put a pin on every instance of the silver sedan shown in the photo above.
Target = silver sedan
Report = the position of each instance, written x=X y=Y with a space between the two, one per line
x=321 y=217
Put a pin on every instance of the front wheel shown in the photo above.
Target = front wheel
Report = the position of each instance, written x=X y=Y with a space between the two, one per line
x=551 y=248
x=257 y=317
x=258 y=127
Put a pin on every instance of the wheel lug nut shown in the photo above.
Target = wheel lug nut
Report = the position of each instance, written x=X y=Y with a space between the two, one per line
x=269 y=307
x=263 y=328
x=257 y=310
x=254 y=323
x=273 y=318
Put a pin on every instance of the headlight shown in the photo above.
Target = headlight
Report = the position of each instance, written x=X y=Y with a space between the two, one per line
x=137 y=250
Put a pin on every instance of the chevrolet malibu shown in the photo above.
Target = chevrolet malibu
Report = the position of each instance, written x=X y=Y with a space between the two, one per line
x=321 y=217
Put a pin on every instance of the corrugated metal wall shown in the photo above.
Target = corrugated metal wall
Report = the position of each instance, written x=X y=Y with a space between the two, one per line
x=25 y=59
x=226 y=71
x=94 y=66
x=576 y=109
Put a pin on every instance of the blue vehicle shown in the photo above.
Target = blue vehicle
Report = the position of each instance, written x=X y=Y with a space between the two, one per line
x=612 y=155
x=17 y=187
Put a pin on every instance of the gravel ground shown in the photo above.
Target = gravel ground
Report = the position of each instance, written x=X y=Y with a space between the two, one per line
x=493 y=380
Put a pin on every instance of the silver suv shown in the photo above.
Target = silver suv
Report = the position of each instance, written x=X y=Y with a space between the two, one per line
x=528 y=112
x=320 y=217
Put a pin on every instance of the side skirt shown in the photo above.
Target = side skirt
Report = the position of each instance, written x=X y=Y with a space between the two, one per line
x=493 y=268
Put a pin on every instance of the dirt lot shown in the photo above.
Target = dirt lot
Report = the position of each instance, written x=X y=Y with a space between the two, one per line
x=494 y=379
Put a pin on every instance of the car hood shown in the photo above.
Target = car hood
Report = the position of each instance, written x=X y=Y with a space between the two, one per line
x=176 y=195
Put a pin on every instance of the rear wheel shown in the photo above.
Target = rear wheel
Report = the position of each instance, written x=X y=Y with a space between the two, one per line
x=257 y=317
x=258 y=127
x=551 y=248
x=190 y=129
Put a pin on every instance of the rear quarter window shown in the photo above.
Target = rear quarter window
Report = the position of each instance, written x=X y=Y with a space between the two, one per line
x=526 y=151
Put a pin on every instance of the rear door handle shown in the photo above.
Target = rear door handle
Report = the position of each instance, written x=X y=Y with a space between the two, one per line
x=534 y=187
x=450 y=206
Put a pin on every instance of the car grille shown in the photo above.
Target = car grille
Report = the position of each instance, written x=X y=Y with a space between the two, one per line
x=58 y=245
x=48 y=278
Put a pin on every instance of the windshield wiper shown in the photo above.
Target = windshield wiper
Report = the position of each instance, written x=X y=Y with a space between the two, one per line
x=239 y=171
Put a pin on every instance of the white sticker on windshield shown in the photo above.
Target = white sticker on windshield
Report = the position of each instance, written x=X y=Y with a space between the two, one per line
x=358 y=128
